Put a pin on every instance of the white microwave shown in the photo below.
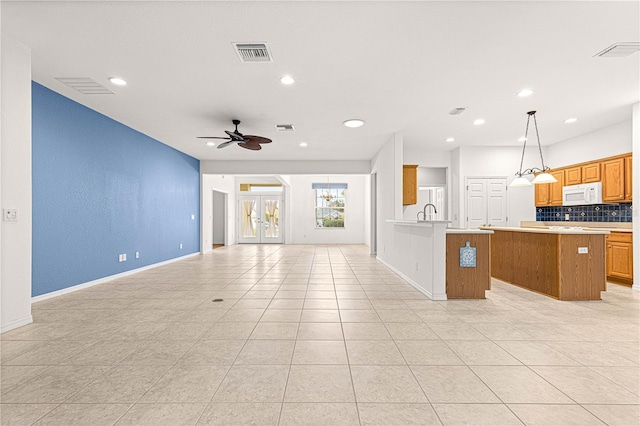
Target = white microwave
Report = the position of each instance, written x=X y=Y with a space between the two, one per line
x=580 y=195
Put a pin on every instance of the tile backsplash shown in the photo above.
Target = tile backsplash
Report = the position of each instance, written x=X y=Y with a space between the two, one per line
x=592 y=213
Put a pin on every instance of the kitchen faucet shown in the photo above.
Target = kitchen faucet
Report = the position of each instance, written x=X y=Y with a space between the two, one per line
x=424 y=211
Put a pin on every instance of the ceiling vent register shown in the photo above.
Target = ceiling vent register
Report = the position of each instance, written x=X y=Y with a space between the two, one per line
x=85 y=85
x=253 y=52
x=285 y=127
x=619 y=50
x=457 y=111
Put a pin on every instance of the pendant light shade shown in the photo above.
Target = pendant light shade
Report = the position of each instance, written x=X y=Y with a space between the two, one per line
x=543 y=176
x=520 y=181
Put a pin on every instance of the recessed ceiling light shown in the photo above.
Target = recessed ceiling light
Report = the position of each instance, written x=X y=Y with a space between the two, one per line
x=303 y=144
x=118 y=81
x=524 y=93
x=522 y=139
x=451 y=140
x=570 y=120
x=210 y=143
x=478 y=122
x=353 y=123
x=287 y=79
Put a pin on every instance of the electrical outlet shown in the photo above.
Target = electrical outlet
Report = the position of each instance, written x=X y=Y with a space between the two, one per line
x=416 y=265
x=137 y=255
x=180 y=246
x=193 y=217
x=566 y=216
x=10 y=215
x=583 y=250
x=122 y=257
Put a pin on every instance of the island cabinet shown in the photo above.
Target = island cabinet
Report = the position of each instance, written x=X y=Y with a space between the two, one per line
x=465 y=281
x=620 y=257
x=563 y=264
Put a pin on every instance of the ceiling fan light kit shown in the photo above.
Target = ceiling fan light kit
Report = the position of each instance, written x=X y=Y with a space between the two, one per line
x=251 y=142
x=542 y=175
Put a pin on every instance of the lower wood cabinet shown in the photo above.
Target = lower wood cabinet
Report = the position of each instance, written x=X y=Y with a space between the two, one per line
x=620 y=257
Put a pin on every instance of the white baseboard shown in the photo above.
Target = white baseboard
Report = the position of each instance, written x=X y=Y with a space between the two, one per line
x=106 y=279
x=412 y=282
x=16 y=323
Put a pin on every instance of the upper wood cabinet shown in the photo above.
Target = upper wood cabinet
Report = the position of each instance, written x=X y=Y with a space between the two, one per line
x=573 y=176
x=613 y=180
x=628 y=179
x=550 y=194
x=409 y=184
x=591 y=172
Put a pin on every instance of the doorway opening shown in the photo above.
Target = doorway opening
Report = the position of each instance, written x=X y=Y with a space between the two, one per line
x=219 y=219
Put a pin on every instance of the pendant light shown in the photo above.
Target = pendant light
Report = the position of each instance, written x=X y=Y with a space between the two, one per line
x=544 y=176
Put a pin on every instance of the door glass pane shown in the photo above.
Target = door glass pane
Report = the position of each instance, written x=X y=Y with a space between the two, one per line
x=249 y=218
x=271 y=218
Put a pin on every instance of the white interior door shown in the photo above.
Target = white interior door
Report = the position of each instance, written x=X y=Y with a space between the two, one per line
x=261 y=220
x=486 y=202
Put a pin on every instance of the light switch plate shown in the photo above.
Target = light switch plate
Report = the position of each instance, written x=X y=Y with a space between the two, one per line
x=10 y=215
x=583 y=250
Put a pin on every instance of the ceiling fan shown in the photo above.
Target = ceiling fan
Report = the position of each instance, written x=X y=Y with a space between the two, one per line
x=246 y=141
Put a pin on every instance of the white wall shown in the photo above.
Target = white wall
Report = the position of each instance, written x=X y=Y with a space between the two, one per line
x=387 y=163
x=275 y=167
x=636 y=193
x=605 y=142
x=302 y=207
x=15 y=182
x=221 y=183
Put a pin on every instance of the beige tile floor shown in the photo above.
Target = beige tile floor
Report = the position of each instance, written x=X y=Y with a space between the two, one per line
x=317 y=335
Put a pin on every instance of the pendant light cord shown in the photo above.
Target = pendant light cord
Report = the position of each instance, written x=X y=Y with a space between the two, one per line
x=535 y=123
x=526 y=134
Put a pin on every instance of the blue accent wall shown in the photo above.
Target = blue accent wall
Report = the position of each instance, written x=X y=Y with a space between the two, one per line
x=592 y=213
x=101 y=189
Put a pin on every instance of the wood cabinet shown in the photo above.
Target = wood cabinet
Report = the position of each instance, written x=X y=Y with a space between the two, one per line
x=590 y=172
x=409 y=184
x=613 y=180
x=620 y=257
x=573 y=176
x=628 y=178
x=550 y=194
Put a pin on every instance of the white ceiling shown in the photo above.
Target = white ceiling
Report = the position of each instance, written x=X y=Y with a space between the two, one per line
x=401 y=66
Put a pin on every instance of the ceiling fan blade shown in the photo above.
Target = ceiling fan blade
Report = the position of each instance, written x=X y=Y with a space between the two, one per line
x=256 y=139
x=226 y=144
x=250 y=145
x=211 y=137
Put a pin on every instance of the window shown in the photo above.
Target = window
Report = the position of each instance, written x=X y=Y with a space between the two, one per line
x=329 y=204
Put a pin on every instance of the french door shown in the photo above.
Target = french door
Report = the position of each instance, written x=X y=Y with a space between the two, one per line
x=486 y=202
x=261 y=219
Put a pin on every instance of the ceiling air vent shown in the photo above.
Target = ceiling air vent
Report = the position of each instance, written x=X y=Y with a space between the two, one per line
x=619 y=50
x=253 y=52
x=457 y=111
x=85 y=85
x=285 y=127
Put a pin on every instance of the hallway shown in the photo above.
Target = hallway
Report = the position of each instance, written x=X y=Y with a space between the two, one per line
x=317 y=335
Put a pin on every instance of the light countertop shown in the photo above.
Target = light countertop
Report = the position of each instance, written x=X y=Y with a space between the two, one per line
x=468 y=231
x=417 y=222
x=546 y=230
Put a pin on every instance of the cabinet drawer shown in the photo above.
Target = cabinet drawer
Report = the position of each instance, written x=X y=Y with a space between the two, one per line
x=623 y=237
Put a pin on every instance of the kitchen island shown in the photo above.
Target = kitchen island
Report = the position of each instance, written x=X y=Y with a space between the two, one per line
x=566 y=264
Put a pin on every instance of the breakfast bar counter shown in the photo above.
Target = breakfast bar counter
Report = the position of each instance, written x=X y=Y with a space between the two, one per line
x=563 y=263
